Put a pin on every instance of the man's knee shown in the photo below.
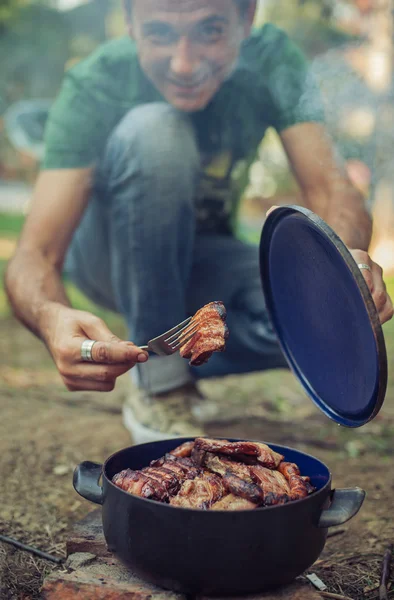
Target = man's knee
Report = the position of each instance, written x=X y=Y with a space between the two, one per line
x=161 y=137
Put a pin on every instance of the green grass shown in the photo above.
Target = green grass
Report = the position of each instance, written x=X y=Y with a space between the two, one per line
x=390 y=286
x=388 y=329
x=10 y=225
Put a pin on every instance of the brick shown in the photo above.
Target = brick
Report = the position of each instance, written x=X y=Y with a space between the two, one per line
x=111 y=569
x=79 y=559
x=296 y=591
x=95 y=584
x=82 y=586
x=87 y=536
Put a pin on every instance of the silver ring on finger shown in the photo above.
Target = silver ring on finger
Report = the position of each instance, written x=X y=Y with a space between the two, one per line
x=86 y=350
x=362 y=266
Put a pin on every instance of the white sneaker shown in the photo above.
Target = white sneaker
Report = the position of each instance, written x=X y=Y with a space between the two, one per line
x=160 y=417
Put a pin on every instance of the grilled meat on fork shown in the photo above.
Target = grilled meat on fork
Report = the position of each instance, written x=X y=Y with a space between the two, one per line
x=211 y=335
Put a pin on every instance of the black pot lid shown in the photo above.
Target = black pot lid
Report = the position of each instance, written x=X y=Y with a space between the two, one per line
x=324 y=315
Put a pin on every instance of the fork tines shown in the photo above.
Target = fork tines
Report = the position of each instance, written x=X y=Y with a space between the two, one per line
x=182 y=336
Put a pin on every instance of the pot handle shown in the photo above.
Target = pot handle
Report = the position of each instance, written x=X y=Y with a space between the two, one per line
x=345 y=504
x=86 y=481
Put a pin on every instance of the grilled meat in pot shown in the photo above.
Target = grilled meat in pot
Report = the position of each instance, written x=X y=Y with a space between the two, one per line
x=183 y=451
x=273 y=483
x=298 y=486
x=210 y=336
x=201 y=493
x=231 y=502
x=218 y=475
x=223 y=466
x=160 y=481
x=135 y=482
x=256 y=452
x=236 y=478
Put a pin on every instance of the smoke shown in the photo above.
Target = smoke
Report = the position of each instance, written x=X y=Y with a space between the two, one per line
x=355 y=113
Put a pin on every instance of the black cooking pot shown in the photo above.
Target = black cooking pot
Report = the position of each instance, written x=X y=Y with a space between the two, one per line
x=210 y=552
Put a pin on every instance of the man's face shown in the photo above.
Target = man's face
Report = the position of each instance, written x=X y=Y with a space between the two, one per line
x=187 y=48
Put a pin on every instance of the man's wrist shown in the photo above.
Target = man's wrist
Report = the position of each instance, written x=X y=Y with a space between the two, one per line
x=47 y=314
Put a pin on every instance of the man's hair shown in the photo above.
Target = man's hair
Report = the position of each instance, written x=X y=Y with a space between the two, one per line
x=243 y=6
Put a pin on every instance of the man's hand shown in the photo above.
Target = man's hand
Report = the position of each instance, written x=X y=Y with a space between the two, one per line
x=64 y=331
x=377 y=287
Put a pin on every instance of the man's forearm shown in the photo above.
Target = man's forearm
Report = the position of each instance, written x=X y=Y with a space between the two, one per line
x=343 y=208
x=34 y=288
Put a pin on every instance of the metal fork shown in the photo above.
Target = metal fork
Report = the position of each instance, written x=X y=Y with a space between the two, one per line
x=170 y=341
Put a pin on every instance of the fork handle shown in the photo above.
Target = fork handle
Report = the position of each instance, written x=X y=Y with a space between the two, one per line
x=146 y=348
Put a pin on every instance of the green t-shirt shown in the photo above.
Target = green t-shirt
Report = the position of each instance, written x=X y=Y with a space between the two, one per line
x=270 y=87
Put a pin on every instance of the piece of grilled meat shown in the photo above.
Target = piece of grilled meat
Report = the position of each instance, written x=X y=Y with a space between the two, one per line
x=202 y=492
x=211 y=335
x=161 y=480
x=231 y=502
x=138 y=484
x=273 y=483
x=259 y=484
x=254 y=451
x=221 y=464
x=184 y=450
x=299 y=488
x=236 y=477
x=309 y=487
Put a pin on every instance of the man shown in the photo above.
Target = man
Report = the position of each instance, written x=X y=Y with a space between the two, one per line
x=136 y=189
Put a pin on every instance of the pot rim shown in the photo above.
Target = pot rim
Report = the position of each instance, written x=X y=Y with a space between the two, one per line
x=260 y=509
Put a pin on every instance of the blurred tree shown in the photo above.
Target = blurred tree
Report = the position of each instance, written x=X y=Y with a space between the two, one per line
x=34 y=46
x=37 y=42
x=326 y=7
x=380 y=75
x=7 y=9
x=310 y=24
x=90 y=19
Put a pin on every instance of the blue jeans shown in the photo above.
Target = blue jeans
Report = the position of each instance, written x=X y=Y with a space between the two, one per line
x=136 y=251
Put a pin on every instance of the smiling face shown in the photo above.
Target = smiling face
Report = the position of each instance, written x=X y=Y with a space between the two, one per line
x=188 y=48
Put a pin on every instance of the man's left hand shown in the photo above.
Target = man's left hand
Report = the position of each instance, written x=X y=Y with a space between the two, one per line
x=377 y=287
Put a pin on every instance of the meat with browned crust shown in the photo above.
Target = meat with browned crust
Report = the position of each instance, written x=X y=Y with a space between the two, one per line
x=218 y=475
x=138 y=484
x=298 y=487
x=231 y=502
x=309 y=487
x=220 y=464
x=226 y=447
x=161 y=480
x=210 y=336
x=274 y=485
x=260 y=452
x=236 y=478
x=184 y=450
x=202 y=492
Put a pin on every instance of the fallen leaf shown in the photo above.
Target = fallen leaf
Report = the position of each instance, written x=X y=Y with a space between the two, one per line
x=61 y=470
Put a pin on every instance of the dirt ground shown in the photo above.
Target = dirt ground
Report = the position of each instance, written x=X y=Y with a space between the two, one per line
x=45 y=431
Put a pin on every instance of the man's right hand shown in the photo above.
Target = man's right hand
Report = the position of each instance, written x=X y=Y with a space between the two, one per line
x=36 y=292
x=64 y=329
